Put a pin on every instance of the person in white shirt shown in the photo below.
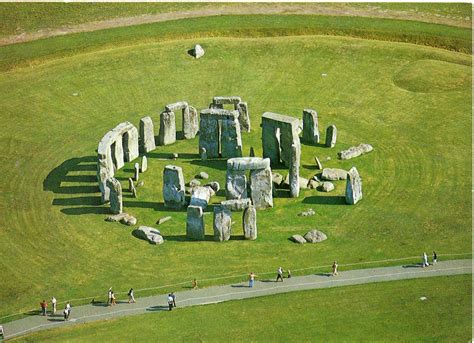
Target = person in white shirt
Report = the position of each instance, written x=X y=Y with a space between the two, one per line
x=279 y=274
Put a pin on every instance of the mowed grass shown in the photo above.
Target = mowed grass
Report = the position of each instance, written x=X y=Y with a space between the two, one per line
x=390 y=311
x=416 y=182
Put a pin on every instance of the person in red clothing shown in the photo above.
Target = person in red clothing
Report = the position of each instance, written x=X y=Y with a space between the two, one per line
x=44 y=306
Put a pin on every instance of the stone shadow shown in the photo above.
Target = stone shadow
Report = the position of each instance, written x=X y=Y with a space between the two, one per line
x=319 y=145
x=167 y=156
x=214 y=164
x=158 y=308
x=85 y=210
x=325 y=200
x=78 y=201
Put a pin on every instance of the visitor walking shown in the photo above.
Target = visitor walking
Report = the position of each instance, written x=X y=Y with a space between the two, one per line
x=279 y=274
x=53 y=302
x=289 y=274
x=173 y=296
x=334 y=268
x=67 y=310
x=251 y=279
x=425 y=260
x=131 y=296
x=113 y=299
x=435 y=257
x=109 y=297
x=195 y=284
x=170 y=302
x=44 y=306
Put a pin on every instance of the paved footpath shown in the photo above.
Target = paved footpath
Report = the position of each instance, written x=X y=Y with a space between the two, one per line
x=216 y=294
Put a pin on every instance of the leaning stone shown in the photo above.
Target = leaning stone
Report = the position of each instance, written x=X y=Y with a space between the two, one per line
x=277 y=178
x=249 y=223
x=313 y=184
x=310 y=126
x=298 y=239
x=222 y=223
x=332 y=174
x=236 y=204
x=195 y=223
x=355 y=151
x=131 y=186
x=116 y=205
x=167 y=128
x=203 y=175
x=331 y=136
x=197 y=51
x=303 y=183
x=149 y=234
x=194 y=183
x=318 y=163
x=327 y=186
x=147 y=135
x=173 y=187
x=315 y=236
x=353 y=187
x=261 y=188
x=137 y=171
x=162 y=220
x=144 y=164
x=214 y=185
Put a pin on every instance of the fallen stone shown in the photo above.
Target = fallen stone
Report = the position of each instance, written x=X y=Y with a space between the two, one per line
x=307 y=213
x=116 y=217
x=326 y=187
x=163 y=220
x=129 y=220
x=355 y=151
x=353 y=187
x=140 y=184
x=194 y=183
x=333 y=174
x=149 y=234
x=313 y=184
x=303 y=183
x=214 y=185
x=197 y=51
x=318 y=163
x=200 y=196
x=236 y=204
x=298 y=239
x=249 y=223
x=222 y=223
x=203 y=175
x=315 y=236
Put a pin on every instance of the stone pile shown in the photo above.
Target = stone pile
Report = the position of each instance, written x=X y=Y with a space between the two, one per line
x=355 y=151
x=218 y=102
x=313 y=236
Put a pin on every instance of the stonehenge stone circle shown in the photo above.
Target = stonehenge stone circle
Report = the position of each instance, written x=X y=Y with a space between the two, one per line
x=116 y=205
x=236 y=204
x=331 y=136
x=149 y=234
x=279 y=133
x=189 y=117
x=167 y=128
x=197 y=51
x=222 y=223
x=353 y=187
x=144 y=166
x=147 y=135
x=173 y=187
x=220 y=134
x=195 y=229
x=294 y=173
x=249 y=223
x=355 y=151
x=310 y=126
x=333 y=174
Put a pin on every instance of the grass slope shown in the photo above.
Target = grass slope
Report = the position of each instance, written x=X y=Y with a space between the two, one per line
x=390 y=311
x=416 y=182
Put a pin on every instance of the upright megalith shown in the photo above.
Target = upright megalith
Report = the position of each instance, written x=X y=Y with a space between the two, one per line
x=249 y=223
x=331 y=136
x=353 y=187
x=195 y=229
x=144 y=165
x=218 y=102
x=310 y=126
x=244 y=116
x=116 y=204
x=189 y=117
x=261 y=188
x=167 y=128
x=231 y=141
x=173 y=187
x=147 y=135
x=222 y=223
x=136 y=171
x=294 y=174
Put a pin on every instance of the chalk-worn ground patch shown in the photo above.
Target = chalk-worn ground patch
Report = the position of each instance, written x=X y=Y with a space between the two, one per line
x=431 y=76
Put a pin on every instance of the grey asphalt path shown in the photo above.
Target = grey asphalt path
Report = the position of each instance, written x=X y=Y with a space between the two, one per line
x=216 y=294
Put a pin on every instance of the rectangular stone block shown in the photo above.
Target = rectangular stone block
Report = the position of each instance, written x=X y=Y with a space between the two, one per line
x=236 y=204
x=310 y=126
x=223 y=100
x=231 y=141
x=261 y=188
x=222 y=223
x=130 y=144
x=244 y=116
x=209 y=136
x=190 y=123
x=167 y=128
x=173 y=187
x=147 y=135
x=195 y=229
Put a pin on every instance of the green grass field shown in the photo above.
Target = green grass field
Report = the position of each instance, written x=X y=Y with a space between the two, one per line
x=389 y=311
x=61 y=95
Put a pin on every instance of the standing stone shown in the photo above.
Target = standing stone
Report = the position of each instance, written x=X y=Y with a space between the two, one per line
x=236 y=185
x=310 y=126
x=117 y=153
x=130 y=184
x=103 y=174
x=209 y=136
x=294 y=173
x=252 y=152
x=353 y=187
x=116 y=205
x=244 y=117
x=130 y=144
x=147 y=135
x=222 y=223
x=195 y=229
x=318 y=163
x=137 y=171
x=167 y=128
x=190 y=122
x=261 y=186
x=173 y=187
x=144 y=166
x=197 y=51
x=231 y=140
x=331 y=136
x=249 y=223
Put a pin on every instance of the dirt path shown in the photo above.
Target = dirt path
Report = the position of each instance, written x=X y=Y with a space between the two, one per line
x=216 y=294
x=245 y=8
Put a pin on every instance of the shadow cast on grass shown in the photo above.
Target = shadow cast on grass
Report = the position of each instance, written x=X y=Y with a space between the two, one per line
x=85 y=210
x=214 y=164
x=95 y=200
x=325 y=200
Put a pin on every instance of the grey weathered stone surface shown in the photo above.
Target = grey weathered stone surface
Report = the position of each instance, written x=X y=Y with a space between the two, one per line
x=203 y=175
x=194 y=183
x=294 y=172
x=332 y=174
x=176 y=106
x=307 y=213
x=190 y=123
x=277 y=178
x=214 y=185
x=226 y=100
x=163 y=220
x=222 y=223
x=195 y=229
x=203 y=153
x=326 y=186
x=353 y=187
x=313 y=184
x=249 y=223
x=315 y=236
x=261 y=188
x=244 y=116
x=116 y=205
x=247 y=163
x=144 y=166
x=200 y=196
x=355 y=151
x=310 y=126
x=251 y=152
x=167 y=128
x=236 y=204
x=174 y=156
x=236 y=184
x=103 y=173
x=303 y=183
x=197 y=51
x=173 y=187
x=209 y=135
x=231 y=140
x=116 y=217
x=129 y=220
x=298 y=239
x=318 y=163
x=147 y=135
x=331 y=136
x=149 y=234
x=136 y=173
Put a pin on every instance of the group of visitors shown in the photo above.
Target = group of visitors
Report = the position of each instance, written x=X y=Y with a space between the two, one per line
x=111 y=299
x=54 y=302
x=425 y=262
